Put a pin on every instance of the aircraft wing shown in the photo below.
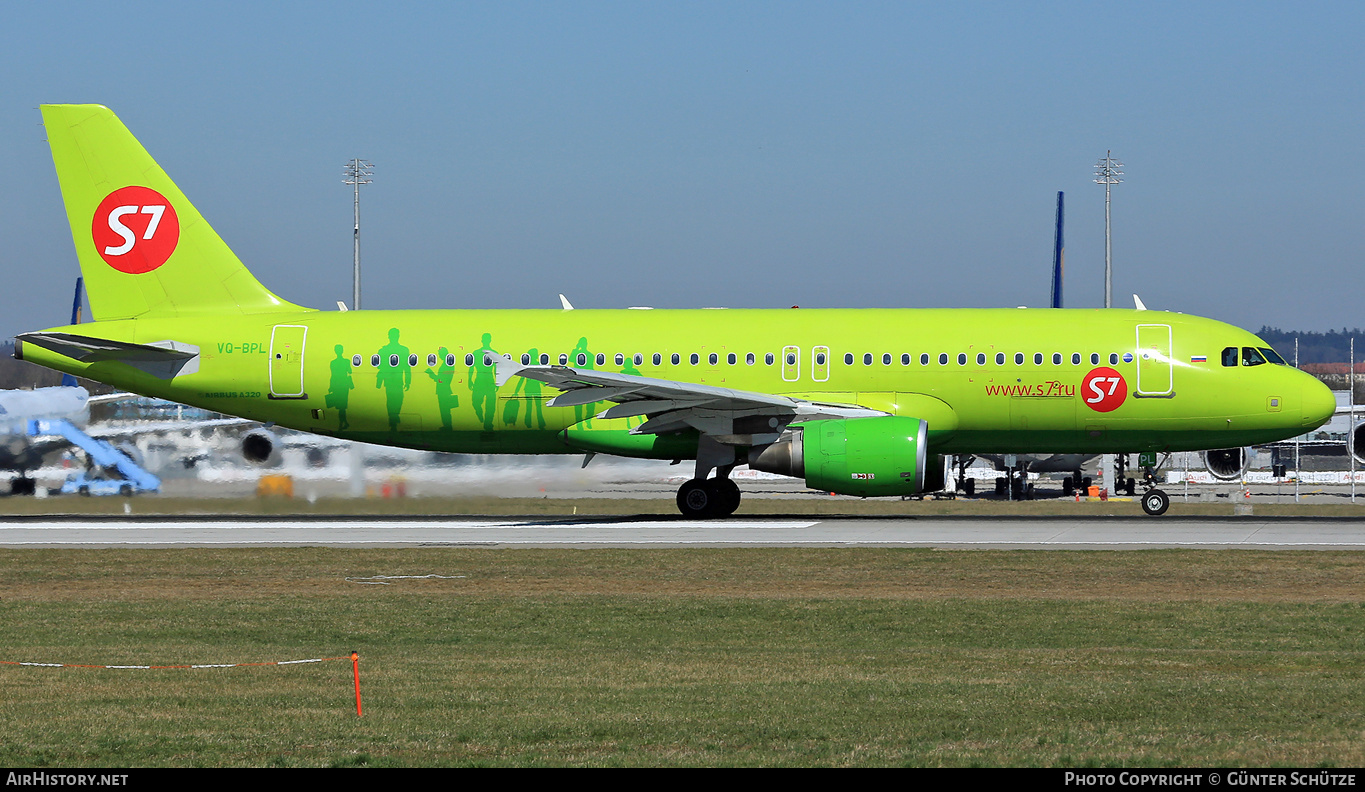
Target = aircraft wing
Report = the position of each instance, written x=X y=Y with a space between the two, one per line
x=731 y=417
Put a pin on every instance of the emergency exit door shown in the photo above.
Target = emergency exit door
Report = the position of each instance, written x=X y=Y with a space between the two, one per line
x=286 y=361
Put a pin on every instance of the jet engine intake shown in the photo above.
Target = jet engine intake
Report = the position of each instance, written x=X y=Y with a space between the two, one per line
x=1227 y=464
x=260 y=447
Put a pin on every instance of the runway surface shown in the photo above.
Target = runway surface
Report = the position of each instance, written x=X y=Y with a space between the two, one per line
x=1035 y=533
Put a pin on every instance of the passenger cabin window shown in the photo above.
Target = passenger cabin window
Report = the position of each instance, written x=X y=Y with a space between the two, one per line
x=962 y=358
x=431 y=359
x=924 y=359
x=1075 y=358
x=355 y=361
x=730 y=358
x=1018 y=358
x=694 y=358
x=848 y=358
x=943 y=358
x=905 y=358
x=1113 y=358
x=544 y=359
x=638 y=359
x=980 y=358
x=1251 y=357
x=712 y=358
x=867 y=358
x=1056 y=358
x=1037 y=358
x=675 y=358
x=601 y=358
x=886 y=358
x=1094 y=358
x=468 y=359
x=393 y=361
x=791 y=359
x=768 y=358
x=819 y=358
x=563 y=359
x=620 y=359
x=749 y=358
x=999 y=358
x=658 y=358
x=374 y=361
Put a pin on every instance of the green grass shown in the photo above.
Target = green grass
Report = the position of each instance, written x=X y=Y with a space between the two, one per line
x=686 y=657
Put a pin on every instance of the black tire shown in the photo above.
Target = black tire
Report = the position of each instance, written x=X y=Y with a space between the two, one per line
x=1068 y=486
x=969 y=487
x=1086 y=483
x=84 y=490
x=727 y=497
x=697 y=499
x=1155 y=502
x=999 y=486
x=126 y=490
x=1130 y=486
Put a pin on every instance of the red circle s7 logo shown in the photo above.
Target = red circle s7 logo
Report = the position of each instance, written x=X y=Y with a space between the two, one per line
x=135 y=229
x=1103 y=389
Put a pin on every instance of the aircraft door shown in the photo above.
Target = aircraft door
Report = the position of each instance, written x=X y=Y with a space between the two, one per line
x=1155 y=373
x=286 y=361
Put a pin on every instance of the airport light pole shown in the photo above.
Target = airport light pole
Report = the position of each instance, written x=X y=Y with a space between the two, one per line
x=358 y=172
x=1107 y=173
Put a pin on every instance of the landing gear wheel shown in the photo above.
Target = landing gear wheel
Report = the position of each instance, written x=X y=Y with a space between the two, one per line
x=1068 y=486
x=727 y=497
x=698 y=499
x=1130 y=487
x=1155 y=502
x=969 y=487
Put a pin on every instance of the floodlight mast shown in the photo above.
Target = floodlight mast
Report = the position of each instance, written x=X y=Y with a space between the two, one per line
x=358 y=172
x=1107 y=173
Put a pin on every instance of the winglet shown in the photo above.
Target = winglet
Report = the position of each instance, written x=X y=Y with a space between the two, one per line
x=1137 y=303
x=564 y=301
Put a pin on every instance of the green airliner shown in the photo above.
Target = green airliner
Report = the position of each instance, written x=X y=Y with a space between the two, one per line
x=858 y=402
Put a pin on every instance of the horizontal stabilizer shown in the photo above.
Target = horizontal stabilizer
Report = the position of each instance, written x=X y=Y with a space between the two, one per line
x=162 y=359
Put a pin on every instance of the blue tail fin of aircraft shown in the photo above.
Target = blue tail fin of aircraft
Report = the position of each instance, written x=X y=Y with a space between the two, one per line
x=1058 y=255
x=69 y=381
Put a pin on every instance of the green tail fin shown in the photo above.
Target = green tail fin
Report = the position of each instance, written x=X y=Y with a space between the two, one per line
x=143 y=248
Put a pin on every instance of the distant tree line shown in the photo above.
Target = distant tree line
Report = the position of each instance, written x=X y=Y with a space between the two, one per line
x=1332 y=346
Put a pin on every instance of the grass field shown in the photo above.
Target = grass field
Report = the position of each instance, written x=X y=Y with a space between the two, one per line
x=685 y=657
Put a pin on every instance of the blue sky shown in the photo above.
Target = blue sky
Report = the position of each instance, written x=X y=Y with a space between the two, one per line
x=737 y=154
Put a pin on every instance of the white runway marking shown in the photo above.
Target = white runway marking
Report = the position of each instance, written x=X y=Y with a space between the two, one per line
x=910 y=532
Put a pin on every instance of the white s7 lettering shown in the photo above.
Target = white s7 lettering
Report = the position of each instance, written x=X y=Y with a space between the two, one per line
x=1095 y=386
x=129 y=238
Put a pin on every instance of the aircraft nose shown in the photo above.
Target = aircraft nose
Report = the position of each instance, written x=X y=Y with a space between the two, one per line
x=1318 y=404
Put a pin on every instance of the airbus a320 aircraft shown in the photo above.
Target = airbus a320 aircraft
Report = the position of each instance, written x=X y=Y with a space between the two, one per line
x=858 y=402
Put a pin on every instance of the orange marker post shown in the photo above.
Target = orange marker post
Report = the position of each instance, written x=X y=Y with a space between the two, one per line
x=355 y=669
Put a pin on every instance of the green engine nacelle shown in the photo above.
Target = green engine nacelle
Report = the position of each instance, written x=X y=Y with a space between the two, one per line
x=886 y=455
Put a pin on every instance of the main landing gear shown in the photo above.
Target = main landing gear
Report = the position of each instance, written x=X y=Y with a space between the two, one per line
x=1154 y=501
x=704 y=498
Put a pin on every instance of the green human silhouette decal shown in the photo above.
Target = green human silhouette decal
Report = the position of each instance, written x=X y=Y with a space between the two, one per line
x=583 y=413
x=394 y=376
x=339 y=389
x=530 y=390
x=444 y=377
x=629 y=368
x=482 y=384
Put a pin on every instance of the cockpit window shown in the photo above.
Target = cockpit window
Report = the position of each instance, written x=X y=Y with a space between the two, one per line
x=1230 y=356
x=1272 y=356
x=1251 y=357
